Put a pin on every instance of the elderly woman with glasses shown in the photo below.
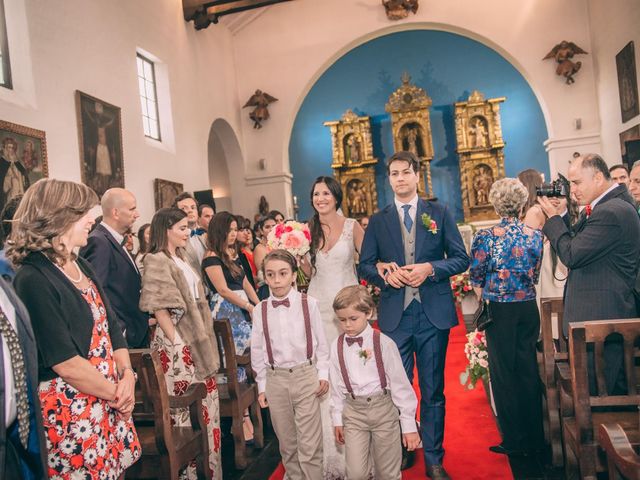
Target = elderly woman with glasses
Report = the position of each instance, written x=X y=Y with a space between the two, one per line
x=505 y=265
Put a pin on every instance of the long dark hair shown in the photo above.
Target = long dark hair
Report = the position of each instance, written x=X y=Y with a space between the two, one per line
x=141 y=239
x=217 y=234
x=318 y=239
x=531 y=179
x=163 y=220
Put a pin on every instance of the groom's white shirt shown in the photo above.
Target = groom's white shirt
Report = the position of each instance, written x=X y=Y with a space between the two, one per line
x=412 y=211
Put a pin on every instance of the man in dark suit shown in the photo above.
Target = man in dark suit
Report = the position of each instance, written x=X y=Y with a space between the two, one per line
x=602 y=251
x=23 y=452
x=114 y=266
x=416 y=246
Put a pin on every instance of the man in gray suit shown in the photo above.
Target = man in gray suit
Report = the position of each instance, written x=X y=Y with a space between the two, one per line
x=602 y=252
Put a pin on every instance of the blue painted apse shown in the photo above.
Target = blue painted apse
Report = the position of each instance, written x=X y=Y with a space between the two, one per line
x=448 y=66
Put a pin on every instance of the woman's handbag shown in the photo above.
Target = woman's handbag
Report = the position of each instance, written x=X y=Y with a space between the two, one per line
x=482 y=318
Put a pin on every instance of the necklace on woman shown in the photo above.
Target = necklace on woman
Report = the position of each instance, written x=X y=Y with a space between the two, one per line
x=80 y=277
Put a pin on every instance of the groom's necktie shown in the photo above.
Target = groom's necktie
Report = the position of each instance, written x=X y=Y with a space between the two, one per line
x=19 y=377
x=407 y=220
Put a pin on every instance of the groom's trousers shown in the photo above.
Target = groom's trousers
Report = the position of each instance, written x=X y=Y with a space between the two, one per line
x=416 y=335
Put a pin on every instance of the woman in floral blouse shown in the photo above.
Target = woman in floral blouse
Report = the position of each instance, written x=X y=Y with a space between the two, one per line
x=173 y=293
x=505 y=265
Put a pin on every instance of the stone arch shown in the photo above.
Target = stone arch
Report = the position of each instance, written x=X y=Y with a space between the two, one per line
x=224 y=158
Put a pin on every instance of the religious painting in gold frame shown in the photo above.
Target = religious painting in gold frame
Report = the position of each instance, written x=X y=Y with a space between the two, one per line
x=353 y=164
x=480 y=147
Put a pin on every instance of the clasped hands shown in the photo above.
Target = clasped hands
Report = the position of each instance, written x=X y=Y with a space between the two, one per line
x=410 y=275
x=124 y=399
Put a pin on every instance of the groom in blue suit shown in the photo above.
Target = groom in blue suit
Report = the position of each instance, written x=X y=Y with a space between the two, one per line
x=410 y=250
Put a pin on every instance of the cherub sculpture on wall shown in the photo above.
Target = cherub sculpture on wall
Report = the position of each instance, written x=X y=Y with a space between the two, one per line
x=261 y=101
x=563 y=53
x=399 y=9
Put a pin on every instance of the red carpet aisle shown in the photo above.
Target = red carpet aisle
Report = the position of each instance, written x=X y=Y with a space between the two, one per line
x=469 y=429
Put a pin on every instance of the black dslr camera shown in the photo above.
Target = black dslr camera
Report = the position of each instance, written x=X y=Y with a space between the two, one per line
x=557 y=189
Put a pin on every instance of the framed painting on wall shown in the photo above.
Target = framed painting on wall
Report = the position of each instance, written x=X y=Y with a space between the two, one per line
x=165 y=192
x=627 y=82
x=629 y=135
x=23 y=159
x=100 y=139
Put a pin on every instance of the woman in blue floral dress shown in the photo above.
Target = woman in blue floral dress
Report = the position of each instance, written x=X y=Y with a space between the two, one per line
x=505 y=265
x=232 y=295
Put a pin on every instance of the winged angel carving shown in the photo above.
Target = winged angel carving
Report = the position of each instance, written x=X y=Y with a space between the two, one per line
x=399 y=9
x=260 y=100
x=563 y=53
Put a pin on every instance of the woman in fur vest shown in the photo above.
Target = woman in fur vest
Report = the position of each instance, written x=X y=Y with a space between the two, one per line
x=172 y=292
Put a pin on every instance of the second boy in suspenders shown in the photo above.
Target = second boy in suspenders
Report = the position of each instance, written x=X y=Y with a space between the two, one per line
x=289 y=355
x=368 y=388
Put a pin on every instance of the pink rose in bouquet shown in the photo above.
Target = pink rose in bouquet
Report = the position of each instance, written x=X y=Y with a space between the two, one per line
x=291 y=236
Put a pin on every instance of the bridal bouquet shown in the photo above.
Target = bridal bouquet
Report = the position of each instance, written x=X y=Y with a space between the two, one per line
x=461 y=285
x=294 y=237
x=476 y=352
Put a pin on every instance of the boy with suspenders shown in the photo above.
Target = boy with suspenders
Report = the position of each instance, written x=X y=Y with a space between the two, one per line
x=369 y=387
x=289 y=355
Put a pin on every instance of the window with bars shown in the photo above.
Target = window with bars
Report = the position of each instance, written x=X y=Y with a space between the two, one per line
x=5 y=65
x=148 y=97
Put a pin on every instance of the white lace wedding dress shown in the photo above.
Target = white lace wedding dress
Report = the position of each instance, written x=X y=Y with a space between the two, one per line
x=334 y=270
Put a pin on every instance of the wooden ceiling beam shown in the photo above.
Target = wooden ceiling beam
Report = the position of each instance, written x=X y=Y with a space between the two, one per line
x=204 y=13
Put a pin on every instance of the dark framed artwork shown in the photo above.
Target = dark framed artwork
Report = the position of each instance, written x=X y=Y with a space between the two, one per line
x=23 y=159
x=100 y=140
x=627 y=82
x=165 y=192
x=628 y=135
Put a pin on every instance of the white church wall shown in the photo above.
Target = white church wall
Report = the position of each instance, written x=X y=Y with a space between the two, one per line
x=613 y=25
x=91 y=46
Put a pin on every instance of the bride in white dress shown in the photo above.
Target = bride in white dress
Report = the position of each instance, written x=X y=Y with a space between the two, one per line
x=332 y=266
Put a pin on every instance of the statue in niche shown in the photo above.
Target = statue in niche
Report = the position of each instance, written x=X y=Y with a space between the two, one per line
x=352 y=150
x=563 y=53
x=412 y=139
x=482 y=181
x=478 y=133
x=356 y=198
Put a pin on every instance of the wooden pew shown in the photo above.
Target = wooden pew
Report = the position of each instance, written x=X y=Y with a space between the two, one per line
x=551 y=352
x=236 y=397
x=580 y=431
x=623 y=462
x=166 y=449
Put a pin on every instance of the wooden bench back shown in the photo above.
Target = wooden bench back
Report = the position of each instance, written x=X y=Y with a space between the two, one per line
x=152 y=399
x=228 y=358
x=553 y=350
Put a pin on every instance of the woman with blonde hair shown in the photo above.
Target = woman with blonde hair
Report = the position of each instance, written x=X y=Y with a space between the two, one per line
x=86 y=382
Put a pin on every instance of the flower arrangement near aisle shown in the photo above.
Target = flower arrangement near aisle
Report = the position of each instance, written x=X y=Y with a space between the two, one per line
x=373 y=291
x=295 y=238
x=476 y=352
x=461 y=285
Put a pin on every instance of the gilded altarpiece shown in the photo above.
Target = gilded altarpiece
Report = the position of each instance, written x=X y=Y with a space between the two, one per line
x=481 y=153
x=411 y=128
x=354 y=164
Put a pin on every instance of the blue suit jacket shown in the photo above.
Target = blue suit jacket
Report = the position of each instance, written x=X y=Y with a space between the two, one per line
x=33 y=463
x=444 y=250
x=121 y=282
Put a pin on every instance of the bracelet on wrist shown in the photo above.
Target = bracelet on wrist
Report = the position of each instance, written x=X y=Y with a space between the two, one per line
x=135 y=375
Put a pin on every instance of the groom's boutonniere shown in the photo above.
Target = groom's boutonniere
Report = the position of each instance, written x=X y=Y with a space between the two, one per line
x=365 y=354
x=429 y=223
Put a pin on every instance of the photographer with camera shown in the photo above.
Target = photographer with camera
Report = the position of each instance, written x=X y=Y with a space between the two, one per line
x=602 y=252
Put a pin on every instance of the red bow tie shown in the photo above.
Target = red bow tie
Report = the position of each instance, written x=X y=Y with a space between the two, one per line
x=277 y=303
x=587 y=210
x=352 y=340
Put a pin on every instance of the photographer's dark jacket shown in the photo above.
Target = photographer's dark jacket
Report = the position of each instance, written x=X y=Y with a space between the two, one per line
x=602 y=254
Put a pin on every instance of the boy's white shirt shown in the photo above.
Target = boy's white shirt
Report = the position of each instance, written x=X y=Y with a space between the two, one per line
x=365 y=381
x=288 y=337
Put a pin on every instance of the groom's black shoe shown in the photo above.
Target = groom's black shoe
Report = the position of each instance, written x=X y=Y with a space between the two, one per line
x=408 y=459
x=501 y=449
x=437 y=472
